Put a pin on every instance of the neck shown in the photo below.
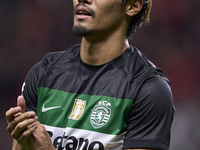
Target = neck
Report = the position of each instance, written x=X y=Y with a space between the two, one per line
x=100 y=50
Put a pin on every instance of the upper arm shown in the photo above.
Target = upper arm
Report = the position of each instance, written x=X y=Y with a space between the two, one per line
x=151 y=116
x=29 y=89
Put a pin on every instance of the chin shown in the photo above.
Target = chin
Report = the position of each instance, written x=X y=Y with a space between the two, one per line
x=81 y=31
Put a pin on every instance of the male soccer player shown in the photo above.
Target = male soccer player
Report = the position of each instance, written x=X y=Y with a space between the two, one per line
x=100 y=94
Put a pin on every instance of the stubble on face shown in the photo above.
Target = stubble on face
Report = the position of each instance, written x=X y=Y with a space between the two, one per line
x=78 y=29
x=81 y=31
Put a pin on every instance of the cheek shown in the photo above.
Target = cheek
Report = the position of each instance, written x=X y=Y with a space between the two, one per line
x=108 y=6
x=109 y=12
x=110 y=15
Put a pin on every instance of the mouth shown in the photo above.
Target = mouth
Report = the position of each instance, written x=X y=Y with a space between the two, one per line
x=83 y=12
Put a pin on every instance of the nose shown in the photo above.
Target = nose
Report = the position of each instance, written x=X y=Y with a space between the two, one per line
x=85 y=1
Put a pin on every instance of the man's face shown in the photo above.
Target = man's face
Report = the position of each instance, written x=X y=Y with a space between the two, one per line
x=97 y=16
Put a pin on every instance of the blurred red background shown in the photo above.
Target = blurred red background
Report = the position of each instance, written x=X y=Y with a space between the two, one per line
x=30 y=29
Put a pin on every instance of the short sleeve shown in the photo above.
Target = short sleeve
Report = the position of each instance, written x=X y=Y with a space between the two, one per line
x=150 y=119
x=29 y=89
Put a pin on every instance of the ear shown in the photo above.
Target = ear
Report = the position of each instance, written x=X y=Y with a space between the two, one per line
x=133 y=7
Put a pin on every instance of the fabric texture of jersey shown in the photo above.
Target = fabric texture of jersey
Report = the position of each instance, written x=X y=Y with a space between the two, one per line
x=125 y=103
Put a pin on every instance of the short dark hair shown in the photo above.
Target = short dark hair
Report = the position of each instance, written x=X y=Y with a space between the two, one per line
x=143 y=17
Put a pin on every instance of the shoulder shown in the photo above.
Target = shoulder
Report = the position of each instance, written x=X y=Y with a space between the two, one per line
x=135 y=65
x=157 y=89
x=142 y=73
x=50 y=60
x=61 y=56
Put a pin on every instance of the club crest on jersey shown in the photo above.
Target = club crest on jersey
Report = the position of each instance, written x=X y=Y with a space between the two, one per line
x=100 y=114
x=78 y=109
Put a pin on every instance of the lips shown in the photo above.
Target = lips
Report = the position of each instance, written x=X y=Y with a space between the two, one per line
x=82 y=11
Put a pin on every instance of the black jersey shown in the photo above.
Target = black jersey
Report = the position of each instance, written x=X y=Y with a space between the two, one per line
x=125 y=103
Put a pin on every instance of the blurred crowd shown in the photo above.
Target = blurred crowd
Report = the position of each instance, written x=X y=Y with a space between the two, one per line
x=30 y=29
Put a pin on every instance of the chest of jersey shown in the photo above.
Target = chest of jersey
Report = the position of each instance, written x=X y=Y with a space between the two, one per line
x=84 y=110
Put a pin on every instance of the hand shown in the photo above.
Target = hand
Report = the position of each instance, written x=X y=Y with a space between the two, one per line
x=41 y=139
x=21 y=124
x=28 y=133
